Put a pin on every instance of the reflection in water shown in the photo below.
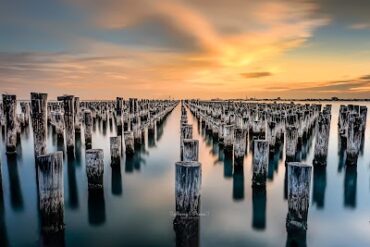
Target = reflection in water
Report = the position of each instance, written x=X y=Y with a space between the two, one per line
x=16 y=198
x=350 y=186
x=238 y=182
x=72 y=184
x=274 y=162
x=259 y=207
x=116 y=180
x=187 y=231
x=3 y=234
x=286 y=182
x=296 y=238
x=319 y=186
x=53 y=239
x=134 y=162
x=96 y=207
x=341 y=152
x=228 y=165
x=151 y=137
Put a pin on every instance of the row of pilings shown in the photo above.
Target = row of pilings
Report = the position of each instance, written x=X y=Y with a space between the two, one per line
x=68 y=117
x=268 y=127
x=188 y=180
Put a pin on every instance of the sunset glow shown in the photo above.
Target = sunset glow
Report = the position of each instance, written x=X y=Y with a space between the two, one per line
x=195 y=48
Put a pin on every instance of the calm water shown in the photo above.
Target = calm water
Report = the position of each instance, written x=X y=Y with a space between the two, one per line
x=138 y=202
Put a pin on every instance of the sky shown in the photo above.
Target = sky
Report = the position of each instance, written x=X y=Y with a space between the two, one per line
x=100 y=49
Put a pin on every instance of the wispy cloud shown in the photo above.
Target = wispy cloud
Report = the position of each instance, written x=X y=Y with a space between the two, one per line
x=255 y=74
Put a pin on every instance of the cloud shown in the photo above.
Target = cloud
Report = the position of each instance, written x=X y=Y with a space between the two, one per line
x=360 y=26
x=256 y=74
x=360 y=84
x=230 y=33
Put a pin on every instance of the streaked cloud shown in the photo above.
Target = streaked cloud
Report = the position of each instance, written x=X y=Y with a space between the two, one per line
x=255 y=74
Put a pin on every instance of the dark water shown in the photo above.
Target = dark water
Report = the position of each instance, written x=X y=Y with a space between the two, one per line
x=137 y=206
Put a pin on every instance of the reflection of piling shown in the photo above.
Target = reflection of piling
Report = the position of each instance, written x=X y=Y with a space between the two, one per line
x=51 y=191
x=238 y=183
x=350 y=186
x=94 y=168
x=129 y=142
x=322 y=139
x=190 y=150
x=188 y=181
x=319 y=186
x=259 y=207
x=3 y=233
x=299 y=180
x=260 y=161
x=187 y=231
x=115 y=150
x=96 y=206
x=9 y=108
x=39 y=122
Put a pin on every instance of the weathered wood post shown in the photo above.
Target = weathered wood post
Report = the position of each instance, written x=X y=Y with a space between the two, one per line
x=9 y=105
x=115 y=150
x=94 y=168
x=239 y=145
x=228 y=138
x=260 y=162
x=39 y=122
x=322 y=139
x=68 y=103
x=271 y=135
x=354 y=135
x=291 y=142
x=58 y=123
x=51 y=191
x=129 y=142
x=188 y=181
x=88 y=121
x=25 y=107
x=119 y=111
x=190 y=150
x=299 y=184
x=77 y=116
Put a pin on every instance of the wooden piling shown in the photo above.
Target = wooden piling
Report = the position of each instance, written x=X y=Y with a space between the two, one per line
x=188 y=182
x=94 y=168
x=9 y=107
x=299 y=184
x=260 y=162
x=39 y=122
x=129 y=142
x=190 y=150
x=51 y=191
x=115 y=150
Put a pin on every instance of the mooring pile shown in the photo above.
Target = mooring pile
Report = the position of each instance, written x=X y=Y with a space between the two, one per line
x=351 y=128
x=68 y=118
x=267 y=128
x=188 y=182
